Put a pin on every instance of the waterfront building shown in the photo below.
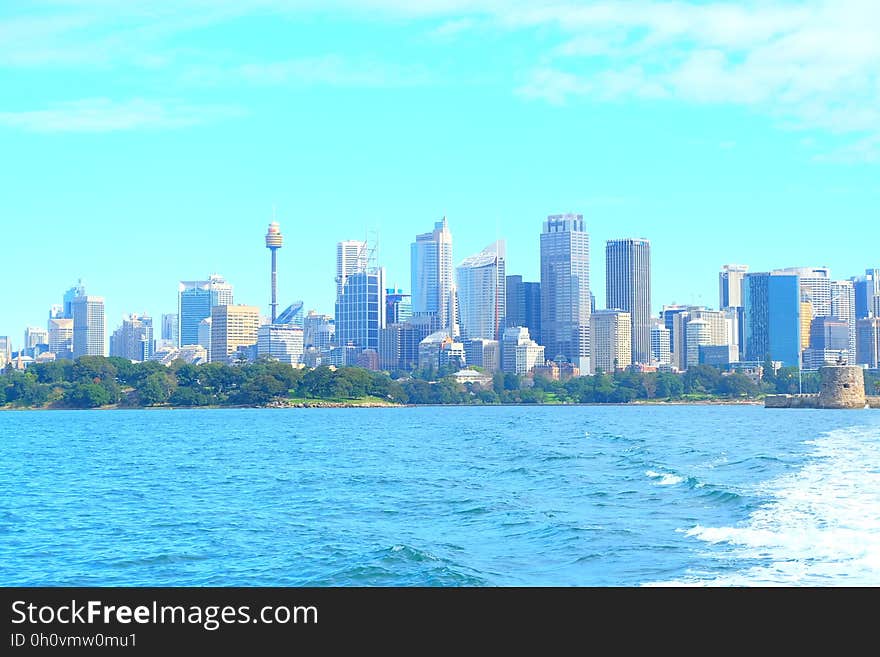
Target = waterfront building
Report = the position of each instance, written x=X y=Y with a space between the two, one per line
x=524 y=305
x=88 y=326
x=61 y=337
x=484 y=353
x=133 y=339
x=432 y=277
x=868 y=342
x=281 y=342
x=195 y=300
x=439 y=349
x=565 y=290
x=610 y=335
x=232 y=327
x=661 y=353
x=843 y=306
x=772 y=315
x=628 y=288
x=481 y=283
x=730 y=286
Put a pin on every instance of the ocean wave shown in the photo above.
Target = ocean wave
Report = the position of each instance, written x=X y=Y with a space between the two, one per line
x=665 y=478
x=819 y=524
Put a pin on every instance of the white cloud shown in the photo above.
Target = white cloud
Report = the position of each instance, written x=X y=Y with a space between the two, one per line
x=105 y=115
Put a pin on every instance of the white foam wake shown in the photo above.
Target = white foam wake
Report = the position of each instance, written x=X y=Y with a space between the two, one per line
x=664 y=478
x=821 y=526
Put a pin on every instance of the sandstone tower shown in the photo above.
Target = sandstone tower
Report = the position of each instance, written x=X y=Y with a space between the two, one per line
x=843 y=386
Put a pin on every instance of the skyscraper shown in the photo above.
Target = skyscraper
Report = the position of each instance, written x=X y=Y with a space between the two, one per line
x=61 y=337
x=868 y=342
x=628 y=287
x=730 y=286
x=281 y=342
x=318 y=330
x=360 y=309
x=772 y=315
x=431 y=267
x=815 y=287
x=232 y=327
x=661 y=345
x=867 y=294
x=610 y=338
x=565 y=290
x=524 y=305
x=88 y=326
x=398 y=306
x=482 y=293
x=34 y=336
x=77 y=290
x=352 y=256
x=170 y=328
x=843 y=306
x=133 y=339
x=519 y=353
x=195 y=299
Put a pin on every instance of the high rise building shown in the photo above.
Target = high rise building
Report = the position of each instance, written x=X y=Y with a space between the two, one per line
x=133 y=339
x=482 y=293
x=70 y=295
x=88 y=326
x=399 y=346
x=281 y=342
x=523 y=306
x=730 y=286
x=565 y=290
x=519 y=353
x=232 y=327
x=628 y=287
x=398 y=306
x=867 y=294
x=829 y=333
x=772 y=315
x=195 y=299
x=610 y=336
x=843 y=306
x=868 y=342
x=484 y=353
x=660 y=345
x=61 y=337
x=360 y=309
x=815 y=287
x=204 y=337
x=667 y=318
x=352 y=256
x=318 y=330
x=170 y=327
x=5 y=349
x=35 y=338
x=431 y=266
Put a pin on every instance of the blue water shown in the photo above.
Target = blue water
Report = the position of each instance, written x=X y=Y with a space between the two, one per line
x=586 y=496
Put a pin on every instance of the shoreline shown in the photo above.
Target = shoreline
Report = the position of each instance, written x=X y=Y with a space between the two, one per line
x=335 y=404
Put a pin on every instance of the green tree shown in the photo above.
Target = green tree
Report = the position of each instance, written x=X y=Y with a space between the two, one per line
x=87 y=395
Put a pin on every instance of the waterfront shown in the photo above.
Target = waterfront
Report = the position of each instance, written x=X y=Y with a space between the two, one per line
x=585 y=495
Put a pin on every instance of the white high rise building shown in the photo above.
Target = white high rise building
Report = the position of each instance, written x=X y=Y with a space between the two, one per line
x=815 y=287
x=88 y=326
x=843 y=306
x=352 y=257
x=281 y=342
x=628 y=287
x=433 y=277
x=611 y=340
x=730 y=286
x=482 y=293
x=660 y=345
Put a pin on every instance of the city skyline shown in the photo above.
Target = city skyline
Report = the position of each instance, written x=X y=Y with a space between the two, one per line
x=145 y=148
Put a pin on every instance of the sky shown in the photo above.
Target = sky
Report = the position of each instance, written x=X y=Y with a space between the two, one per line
x=143 y=143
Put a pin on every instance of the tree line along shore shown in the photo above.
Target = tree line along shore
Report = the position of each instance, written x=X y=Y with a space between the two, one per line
x=96 y=382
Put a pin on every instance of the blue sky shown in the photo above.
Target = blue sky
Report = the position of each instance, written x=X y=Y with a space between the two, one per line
x=148 y=143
